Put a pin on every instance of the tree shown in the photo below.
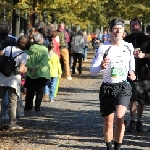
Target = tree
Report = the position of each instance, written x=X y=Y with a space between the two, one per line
x=95 y=12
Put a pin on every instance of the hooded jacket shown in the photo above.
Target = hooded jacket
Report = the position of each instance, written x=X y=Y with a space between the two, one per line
x=38 y=58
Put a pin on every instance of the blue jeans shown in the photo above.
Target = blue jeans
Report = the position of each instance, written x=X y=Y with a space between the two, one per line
x=85 y=53
x=50 y=87
x=5 y=105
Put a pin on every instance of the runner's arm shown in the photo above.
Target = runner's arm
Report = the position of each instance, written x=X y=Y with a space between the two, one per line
x=98 y=58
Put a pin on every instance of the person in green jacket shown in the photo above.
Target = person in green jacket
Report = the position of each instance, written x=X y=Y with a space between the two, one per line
x=55 y=74
x=38 y=73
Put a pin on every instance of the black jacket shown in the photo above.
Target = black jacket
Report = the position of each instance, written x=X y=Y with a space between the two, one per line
x=5 y=41
x=142 y=66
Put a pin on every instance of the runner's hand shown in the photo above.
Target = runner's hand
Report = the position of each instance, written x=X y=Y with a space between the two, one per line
x=140 y=54
x=135 y=52
x=105 y=63
x=131 y=75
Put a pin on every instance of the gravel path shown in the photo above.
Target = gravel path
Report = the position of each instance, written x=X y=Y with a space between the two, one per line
x=72 y=122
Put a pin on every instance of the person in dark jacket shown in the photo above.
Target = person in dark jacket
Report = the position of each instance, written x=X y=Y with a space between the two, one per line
x=141 y=86
x=5 y=40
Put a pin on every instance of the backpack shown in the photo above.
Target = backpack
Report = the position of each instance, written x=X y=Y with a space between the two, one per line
x=62 y=39
x=8 y=64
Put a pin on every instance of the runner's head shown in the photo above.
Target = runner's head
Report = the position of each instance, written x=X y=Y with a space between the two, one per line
x=117 y=26
x=135 y=26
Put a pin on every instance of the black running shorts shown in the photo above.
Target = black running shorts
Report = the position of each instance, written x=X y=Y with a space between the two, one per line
x=141 y=92
x=113 y=94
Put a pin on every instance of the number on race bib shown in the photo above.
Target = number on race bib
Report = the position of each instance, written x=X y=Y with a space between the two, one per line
x=118 y=72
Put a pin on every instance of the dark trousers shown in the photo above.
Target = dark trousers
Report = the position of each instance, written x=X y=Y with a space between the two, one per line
x=34 y=86
x=77 y=56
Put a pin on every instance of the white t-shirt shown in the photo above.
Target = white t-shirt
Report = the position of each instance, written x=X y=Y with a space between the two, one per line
x=13 y=80
x=121 y=61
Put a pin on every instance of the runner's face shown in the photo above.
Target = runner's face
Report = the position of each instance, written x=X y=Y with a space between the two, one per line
x=135 y=27
x=117 y=32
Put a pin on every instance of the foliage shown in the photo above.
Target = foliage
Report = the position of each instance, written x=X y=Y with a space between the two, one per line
x=84 y=12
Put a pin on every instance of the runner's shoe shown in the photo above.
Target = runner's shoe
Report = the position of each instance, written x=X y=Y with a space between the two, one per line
x=139 y=126
x=131 y=126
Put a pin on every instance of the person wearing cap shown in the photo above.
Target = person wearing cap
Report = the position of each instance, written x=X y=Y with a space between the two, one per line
x=116 y=60
x=141 y=86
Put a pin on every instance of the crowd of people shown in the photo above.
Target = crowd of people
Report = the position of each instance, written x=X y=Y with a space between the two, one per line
x=43 y=56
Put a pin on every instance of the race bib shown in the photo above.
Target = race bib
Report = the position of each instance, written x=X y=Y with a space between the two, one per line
x=118 y=72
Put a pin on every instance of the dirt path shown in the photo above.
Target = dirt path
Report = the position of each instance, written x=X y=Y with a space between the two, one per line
x=72 y=122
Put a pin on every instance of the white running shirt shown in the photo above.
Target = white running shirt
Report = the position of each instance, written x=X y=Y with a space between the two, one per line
x=121 y=61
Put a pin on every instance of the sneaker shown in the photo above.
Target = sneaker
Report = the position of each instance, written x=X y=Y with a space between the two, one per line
x=16 y=127
x=20 y=115
x=69 y=78
x=5 y=117
x=86 y=60
x=139 y=126
x=37 y=108
x=46 y=98
x=52 y=100
x=131 y=126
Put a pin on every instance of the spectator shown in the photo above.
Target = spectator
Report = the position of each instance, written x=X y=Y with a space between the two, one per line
x=89 y=38
x=5 y=40
x=55 y=43
x=105 y=34
x=31 y=34
x=85 y=49
x=78 y=44
x=55 y=74
x=12 y=83
x=100 y=36
x=64 y=53
x=38 y=73
x=94 y=38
